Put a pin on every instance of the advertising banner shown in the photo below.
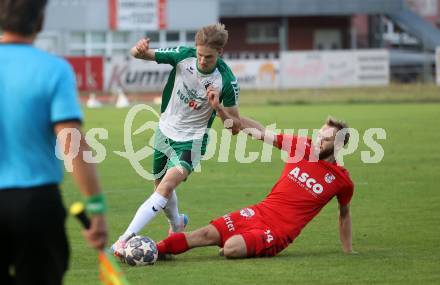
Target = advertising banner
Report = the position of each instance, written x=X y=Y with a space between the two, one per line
x=292 y=70
x=256 y=73
x=137 y=14
x=134 y=75
x=334 y=69
x=89 y=72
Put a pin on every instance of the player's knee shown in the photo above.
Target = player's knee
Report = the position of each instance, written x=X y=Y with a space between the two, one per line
x=234 y=251
x=157 y=182
x=235 y=247
x=166 y=187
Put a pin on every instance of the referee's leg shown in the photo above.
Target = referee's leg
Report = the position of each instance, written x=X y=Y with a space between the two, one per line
x=41 y=248
x=6 y=252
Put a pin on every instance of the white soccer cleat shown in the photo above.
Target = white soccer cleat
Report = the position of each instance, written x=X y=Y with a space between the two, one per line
x=181 y=227
x=118 y=248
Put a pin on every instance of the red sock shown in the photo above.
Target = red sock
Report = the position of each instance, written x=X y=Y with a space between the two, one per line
x=174 y=244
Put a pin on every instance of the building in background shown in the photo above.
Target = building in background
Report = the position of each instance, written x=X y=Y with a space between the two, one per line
x=272 y=26
x=258 y=28
x=111 y=27
x=428 y=9
x=263 y=27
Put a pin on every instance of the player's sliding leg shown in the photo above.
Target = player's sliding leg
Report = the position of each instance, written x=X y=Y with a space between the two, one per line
x=153 y=205
x=182 y=242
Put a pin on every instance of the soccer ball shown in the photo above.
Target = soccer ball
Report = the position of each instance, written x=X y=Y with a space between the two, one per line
x=140 y=251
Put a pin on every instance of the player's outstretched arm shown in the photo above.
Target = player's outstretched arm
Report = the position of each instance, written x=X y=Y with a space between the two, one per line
x=345 y=228
x=258 y=131
x=142 y=50
x=86 y=178
x=229 y=115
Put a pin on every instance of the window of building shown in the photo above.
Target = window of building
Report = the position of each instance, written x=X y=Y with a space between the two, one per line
x=262 y=32
x=120 y=52
x=172 y=36
x=191 y=36
x=153 y=36
x=77 y=52
x=77 y=37
x=120 y=37
x=327 y=39
x=97 y=52
x=67 y=2
x=97 y=37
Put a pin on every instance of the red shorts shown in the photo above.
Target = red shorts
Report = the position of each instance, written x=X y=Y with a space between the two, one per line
x=260 y=239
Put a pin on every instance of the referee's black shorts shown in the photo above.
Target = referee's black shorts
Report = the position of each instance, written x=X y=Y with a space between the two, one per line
x=33 y=243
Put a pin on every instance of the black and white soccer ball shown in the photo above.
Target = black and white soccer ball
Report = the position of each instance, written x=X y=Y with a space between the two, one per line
x=140 y=251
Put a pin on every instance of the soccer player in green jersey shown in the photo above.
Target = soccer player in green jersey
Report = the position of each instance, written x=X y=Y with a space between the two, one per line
x=200 y=87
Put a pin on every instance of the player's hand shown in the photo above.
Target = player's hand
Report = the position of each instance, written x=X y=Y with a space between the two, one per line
x=96 y=235
x=141 y=48
x=213 y=97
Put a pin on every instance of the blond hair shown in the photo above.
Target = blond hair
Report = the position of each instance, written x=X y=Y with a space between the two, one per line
x=339 y=125
x=214 y=36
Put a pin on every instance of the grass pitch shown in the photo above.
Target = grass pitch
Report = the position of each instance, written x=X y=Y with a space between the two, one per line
x=395 y=208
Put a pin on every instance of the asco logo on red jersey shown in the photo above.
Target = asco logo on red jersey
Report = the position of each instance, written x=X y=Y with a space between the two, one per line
x=305 y=180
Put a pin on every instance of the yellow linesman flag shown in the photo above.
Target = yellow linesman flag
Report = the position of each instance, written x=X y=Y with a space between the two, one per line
x=109 y=271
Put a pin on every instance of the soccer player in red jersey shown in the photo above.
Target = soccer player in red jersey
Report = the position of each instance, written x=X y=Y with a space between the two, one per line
x=310 y=179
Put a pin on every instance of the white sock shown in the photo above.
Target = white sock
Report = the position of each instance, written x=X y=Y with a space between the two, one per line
x=146 y=212
x=172 y=211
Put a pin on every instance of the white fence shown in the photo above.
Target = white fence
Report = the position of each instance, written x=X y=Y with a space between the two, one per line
x=437 y=63
x=291 y=70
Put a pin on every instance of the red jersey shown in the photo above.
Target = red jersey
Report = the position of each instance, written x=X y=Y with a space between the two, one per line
x=303 y=189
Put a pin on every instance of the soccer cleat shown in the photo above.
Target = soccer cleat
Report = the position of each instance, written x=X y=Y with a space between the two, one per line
x=118 y=248
x=165 y=257
x=183 y=222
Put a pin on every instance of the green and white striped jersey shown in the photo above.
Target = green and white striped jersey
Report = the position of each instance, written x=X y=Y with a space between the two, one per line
x=186 y=113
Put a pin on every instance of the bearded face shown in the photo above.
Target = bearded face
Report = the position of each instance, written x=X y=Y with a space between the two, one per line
x=325 y=142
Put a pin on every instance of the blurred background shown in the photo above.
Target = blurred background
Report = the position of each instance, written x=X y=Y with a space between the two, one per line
x=297 y=61
x=274 y=44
